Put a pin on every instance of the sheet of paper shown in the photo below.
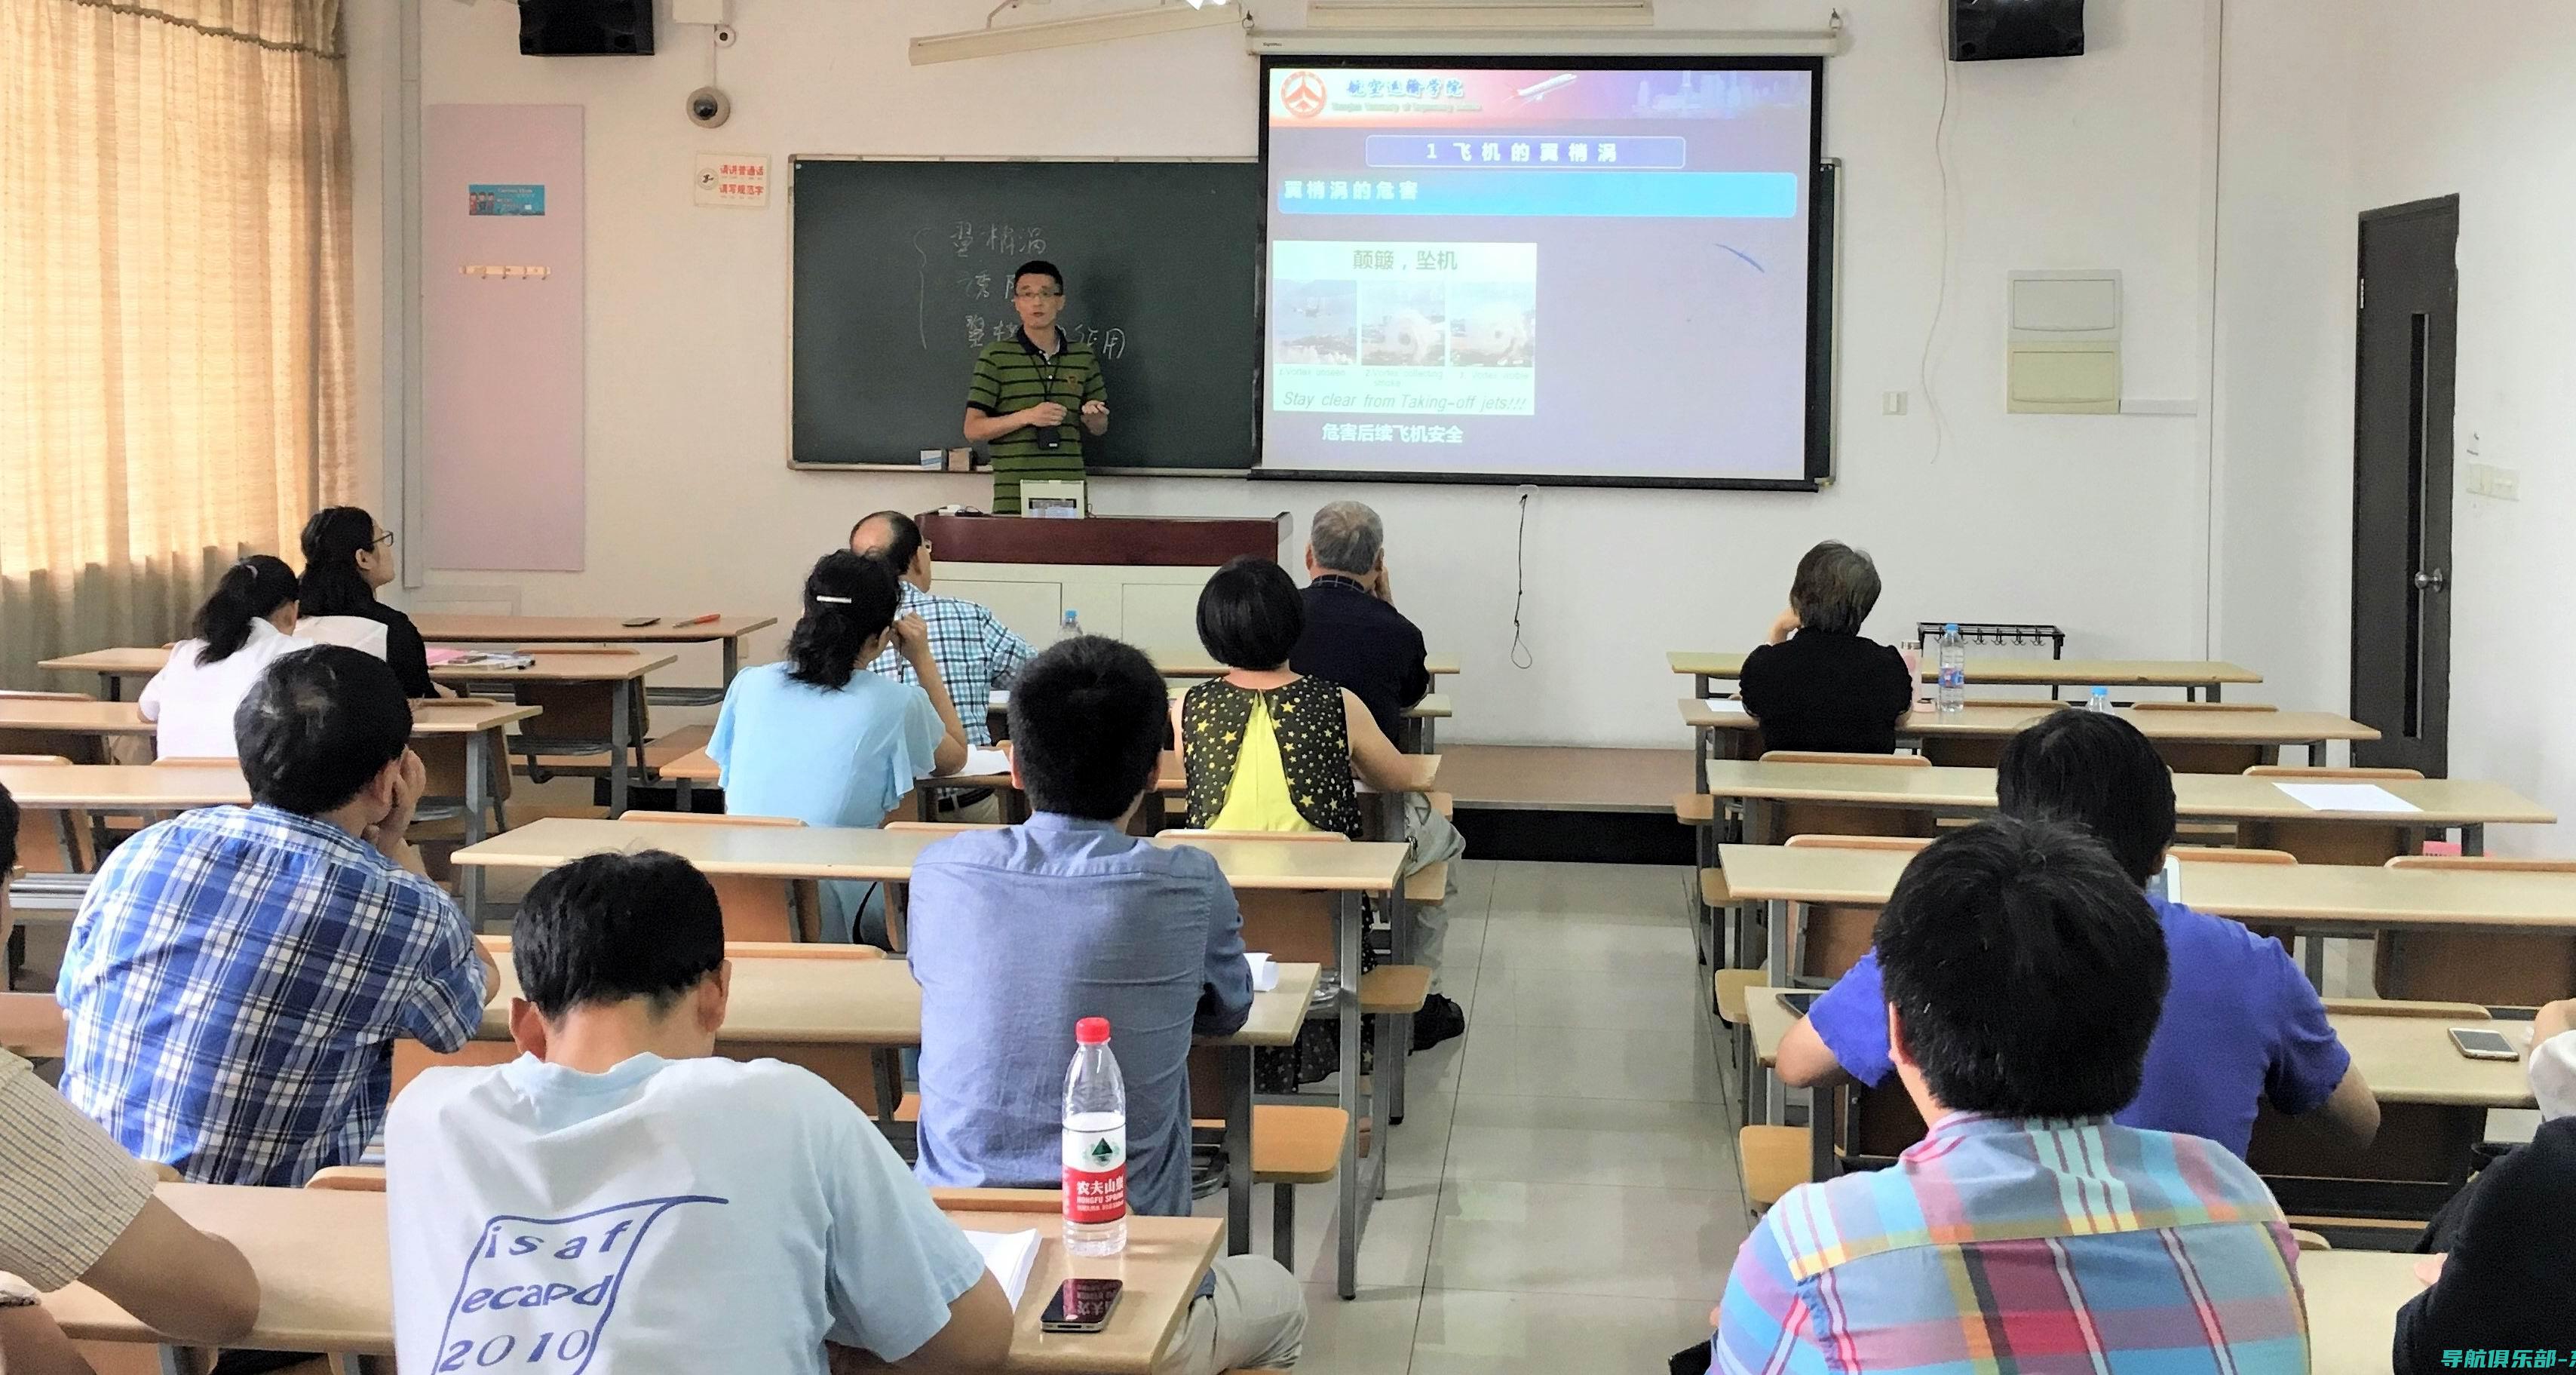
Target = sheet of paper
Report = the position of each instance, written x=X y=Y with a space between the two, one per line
x=981 y=761
x=1010 y=1256
x=1265 y=971
x=2346 y=797
x=1726 y=706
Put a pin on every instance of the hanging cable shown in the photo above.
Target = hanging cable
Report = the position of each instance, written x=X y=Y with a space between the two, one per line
x=1521 y=656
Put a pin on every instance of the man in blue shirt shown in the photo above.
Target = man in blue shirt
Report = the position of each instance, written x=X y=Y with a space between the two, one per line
x=2241 y=1025
x=1018 y=933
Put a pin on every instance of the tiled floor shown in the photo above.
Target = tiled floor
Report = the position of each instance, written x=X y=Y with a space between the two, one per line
x=1563 y=1192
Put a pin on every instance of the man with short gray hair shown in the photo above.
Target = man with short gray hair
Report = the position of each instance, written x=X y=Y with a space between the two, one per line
x=1355 y=637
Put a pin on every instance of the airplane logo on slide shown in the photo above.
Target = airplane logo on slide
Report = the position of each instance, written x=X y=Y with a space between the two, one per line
x=1303 y=94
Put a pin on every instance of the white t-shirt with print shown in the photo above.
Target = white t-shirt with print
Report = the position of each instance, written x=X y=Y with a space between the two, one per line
x=680 y=1215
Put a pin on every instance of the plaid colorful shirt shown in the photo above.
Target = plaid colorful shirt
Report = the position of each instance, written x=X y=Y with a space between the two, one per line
x=234 y=986
x=2028 y=1247
x=975 y=652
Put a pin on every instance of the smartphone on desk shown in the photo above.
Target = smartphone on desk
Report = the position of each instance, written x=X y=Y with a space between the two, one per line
x=1081 y=1305
x=639 y=622
x=2479 y=1044
x=1798 y=1003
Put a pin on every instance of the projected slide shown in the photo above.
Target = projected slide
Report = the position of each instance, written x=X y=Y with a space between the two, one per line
x=1574 y=271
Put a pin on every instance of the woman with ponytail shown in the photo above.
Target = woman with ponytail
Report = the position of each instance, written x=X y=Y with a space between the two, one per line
x=246 y=622
x=347 y=556
x=819 y=738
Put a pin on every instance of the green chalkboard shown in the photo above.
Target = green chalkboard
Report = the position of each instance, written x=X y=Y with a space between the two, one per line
x=901 y=272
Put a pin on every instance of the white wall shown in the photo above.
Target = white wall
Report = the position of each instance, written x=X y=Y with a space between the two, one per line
x=2098 y=523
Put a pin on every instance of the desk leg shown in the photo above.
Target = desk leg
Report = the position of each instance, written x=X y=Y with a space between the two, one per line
x=1775 y=1094
x=478 y=789
x=110 y=688
x=621 y=701
x=2313 y=959
x=887 y=1063
x=2473 y=839
x=1703 y=740
x=1430 y=732
x=1699 y=686
x=1238 y=1150
x=1824 y=1114
x=732 y=647
x=1346 y=1273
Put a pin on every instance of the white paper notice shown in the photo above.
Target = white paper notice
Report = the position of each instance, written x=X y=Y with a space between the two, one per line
x=2346 y=797
x=1726 y=706
x=1010 y=1256
x=981 y=762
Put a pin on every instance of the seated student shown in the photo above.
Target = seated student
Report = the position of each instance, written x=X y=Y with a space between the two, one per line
x=1264 y=747
x=237 y=976
x=77 y=1207
x=2241 y=1024
x=2553 y=1058
x=247 y=621
x=2506 y=1281
x=1817 y=685
x=739 y=1214
x=2027 y=1231
x=1019 y=933
x=1355 y=637
x=975 y=652
x=817 y=739
x=347 y=556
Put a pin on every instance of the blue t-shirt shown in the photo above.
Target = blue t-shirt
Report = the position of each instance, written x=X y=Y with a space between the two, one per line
x=825 y=756
x=2240 y=1025
x=1019 y=933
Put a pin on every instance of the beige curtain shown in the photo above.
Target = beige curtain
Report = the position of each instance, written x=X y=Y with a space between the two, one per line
x=174 y=306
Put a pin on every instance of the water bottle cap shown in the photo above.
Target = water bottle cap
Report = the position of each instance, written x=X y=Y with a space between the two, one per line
x=1951 y=628
x=1091 y=1031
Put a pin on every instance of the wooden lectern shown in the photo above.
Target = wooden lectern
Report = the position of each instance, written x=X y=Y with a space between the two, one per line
x=1134 y=578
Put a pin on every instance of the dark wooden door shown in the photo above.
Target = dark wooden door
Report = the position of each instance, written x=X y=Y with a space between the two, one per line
x=2405 y=375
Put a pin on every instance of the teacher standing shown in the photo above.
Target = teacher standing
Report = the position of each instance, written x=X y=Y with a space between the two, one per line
x=1030 y=388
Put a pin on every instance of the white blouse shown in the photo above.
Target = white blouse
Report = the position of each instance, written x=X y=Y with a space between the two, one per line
x=2553 y=1075
x=194 y=702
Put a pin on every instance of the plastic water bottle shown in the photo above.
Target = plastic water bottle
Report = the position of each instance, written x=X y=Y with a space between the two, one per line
x=1954 y=669
x=2101 y=700
x=1072 y=624
x=1095 y=1145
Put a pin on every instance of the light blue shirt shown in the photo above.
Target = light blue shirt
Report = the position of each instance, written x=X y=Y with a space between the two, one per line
x=1019 y=933
x=695 y=1215
x=827 y=757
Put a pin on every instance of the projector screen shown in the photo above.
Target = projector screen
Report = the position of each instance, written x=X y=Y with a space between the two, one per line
x=1588 y=271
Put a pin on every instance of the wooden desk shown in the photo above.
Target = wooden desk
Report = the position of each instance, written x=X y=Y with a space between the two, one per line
x=478 y=720
x=326 y=1283
x=622 y=670
x=2336 y=899
x=2353 y=1298
x=2193 y=676
x=2466 y=805
x=1721 y=732
x=726 y=631
x=825 y=852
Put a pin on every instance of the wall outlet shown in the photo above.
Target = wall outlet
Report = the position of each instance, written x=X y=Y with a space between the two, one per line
x=2500 y=484
x=1894 y=402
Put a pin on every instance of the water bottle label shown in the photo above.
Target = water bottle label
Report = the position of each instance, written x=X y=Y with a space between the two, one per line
x=1095 y=1175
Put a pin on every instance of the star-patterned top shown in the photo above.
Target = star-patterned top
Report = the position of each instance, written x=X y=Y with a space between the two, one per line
x=1314 y=749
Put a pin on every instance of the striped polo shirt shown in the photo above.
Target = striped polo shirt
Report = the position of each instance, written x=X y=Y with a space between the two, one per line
x=1011 y=375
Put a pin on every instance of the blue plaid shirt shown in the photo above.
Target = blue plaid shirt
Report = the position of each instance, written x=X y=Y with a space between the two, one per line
x=975 y=652
x=234 y=986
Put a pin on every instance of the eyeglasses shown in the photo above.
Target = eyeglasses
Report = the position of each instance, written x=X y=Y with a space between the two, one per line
x=383 y=541
x=1041 y=294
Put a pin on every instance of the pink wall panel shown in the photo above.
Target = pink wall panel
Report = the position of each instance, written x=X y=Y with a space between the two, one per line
x=502 y=375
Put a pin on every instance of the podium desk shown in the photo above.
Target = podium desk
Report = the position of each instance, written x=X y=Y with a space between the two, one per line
x=1135 y=579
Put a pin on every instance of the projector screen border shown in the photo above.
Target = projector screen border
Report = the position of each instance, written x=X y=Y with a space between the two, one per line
x=1824 y=275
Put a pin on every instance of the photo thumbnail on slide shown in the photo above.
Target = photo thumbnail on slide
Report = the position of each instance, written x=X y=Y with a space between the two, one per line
x=1425 y=220
x=1415 y=329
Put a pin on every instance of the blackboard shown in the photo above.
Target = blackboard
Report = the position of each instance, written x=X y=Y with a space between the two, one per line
x=901 y=272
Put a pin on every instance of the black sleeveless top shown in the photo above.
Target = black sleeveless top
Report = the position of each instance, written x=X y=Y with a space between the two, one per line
x=1314 y=749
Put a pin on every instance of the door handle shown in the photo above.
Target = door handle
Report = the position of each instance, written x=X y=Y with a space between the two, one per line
x=2429 y=582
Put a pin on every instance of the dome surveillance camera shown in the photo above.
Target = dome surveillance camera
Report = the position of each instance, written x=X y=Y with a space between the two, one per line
x=709 y=108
